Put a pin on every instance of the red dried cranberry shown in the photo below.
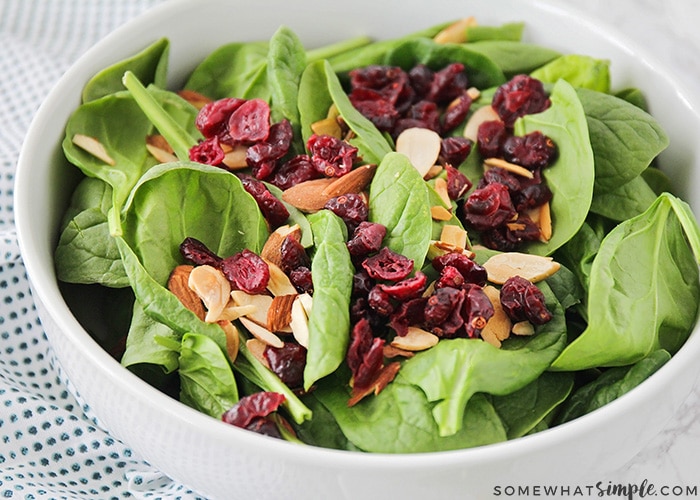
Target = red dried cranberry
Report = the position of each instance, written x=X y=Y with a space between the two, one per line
x=250 y=122
x=501 y=176
x=477 y=309
x=330 y=155
x=380 y=301
x=351 y=207
x=456 y=113
x=454 y=150
x=521 y=96
x=297 y=169
x=361 y=284
x=246 y=271
x=208 y=152
x=262 y=157
x=426 y=113
x=421 y=78
x=301 y=279
x=388 y=81
x=522 y=300
x=469 y=269
x=448 y=83
x=288 y=363
x=450 y=277
x=530 y=196
x=212 y=119
x=271 y=207
x=457 y=182
x=488 y=207
x=511 y=236
x=365 y=355
x=448 y=303
x=366 y=239
x=406 y=123
x=406 y=289
x=293 y=254
x=490 y=137
x=380 y=112
x=388 y=265
x=532 y=151
x=264 y=426
x=408 y=313
x=198 y=253
x=256 y=405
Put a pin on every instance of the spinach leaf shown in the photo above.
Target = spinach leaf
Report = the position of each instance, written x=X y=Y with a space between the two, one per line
x=314 y=99
x=514 y=58
x=329 y=321
x=399 y=199
x=571 y=177
x=334 y=49
x=233 y=70
x=143 y=345
x=580 y=71
x=150 y=66
x=509 y=31
x=578 y=254
x=451 y=372
x=609 y=386
x=207 y=383
x=522 y=410
x=643 y=290
x=625 y=139
x=624 y=202
x=399 y=420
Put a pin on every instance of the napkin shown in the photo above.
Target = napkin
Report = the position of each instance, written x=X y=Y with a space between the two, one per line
x=51 y=446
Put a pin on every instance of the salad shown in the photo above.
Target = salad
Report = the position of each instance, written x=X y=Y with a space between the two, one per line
x=435 y=242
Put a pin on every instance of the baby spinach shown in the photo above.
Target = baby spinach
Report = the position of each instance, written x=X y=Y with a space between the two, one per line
x=144 y=344
x=314 y=99
x=624 y=202
x=579 y=70
x=329 y=321
x=514 y=57
x=512 y=32
x=150 y=66
x=207 y=383
x=451 y=372
x=643 y=291
x=399 y=199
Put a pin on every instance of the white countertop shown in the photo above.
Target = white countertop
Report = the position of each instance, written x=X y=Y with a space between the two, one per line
x=668 y=30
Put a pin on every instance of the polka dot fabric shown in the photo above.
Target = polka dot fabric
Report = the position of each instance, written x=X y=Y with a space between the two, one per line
x=51 y=447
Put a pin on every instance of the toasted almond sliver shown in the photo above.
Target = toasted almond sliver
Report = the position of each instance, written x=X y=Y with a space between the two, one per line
x=308 y=196
x=279 y=283
x=505 y=265
x=438 y=248
x=194 y=98
x=421 y=146
x=455 y=32
x=354 y=181
x=327 y=126
x=94 y=147
x=160 y=154
x=212 y=287
x=177 y=284
x=307 y=301
x=416 y=339
x=499 y=325
x=474 y=93
x=257 y=349
x=232 y=312
x=261 y=303
x=261 y=333
x=440 y=213
x=441 y=189
x=454 y=235
x=299 y=322
x=232 y=339
x=235 y=158
x=481 y=115
x=545 y=222
x=523 y=328
x=510 y=167
x=279 y=315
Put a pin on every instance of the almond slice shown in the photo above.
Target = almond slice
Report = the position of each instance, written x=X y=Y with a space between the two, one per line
x=441 y=189
x=257 y=349
x=416 y=339
x=505 y=265
x=94 y=147
x=160 y=154
x=354 y=181
x=232 y=339
x=177 y=284
x=454 y=235
x=434 y=171
x=279 y=316
x=499 y=325
x=327 y=126
x=510 y=167
x=299 y=321
x=438 y=248
x=440 y=213
x=308 y=196
x=279 y=283
x=524 y=328
x=272 y=248
x=235 y=157
x=212 y=287
x=232 y=312
x=455 y=32
x=481 y=115
x=421 y=146
x=194 y=98
x=544 y=221
x=261 y=333
x=261 y=303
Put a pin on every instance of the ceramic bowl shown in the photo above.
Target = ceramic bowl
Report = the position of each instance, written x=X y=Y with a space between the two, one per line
x=228 y=463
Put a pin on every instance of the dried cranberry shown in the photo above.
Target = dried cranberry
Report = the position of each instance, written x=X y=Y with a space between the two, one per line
x=408 y=313
x=522 y=300
x=388 y=265
x=208 y=152
x=457 y=183
x=330 y=155
x=448 y=83
x=301 y=279
x=365 y=355
x=530 y=196
x=293 y=254
x=249 y=408
x=246 y=271
x=366 y=239
x=271 y=207
x=521 y=96
x=198 y=253
x=264 y=426
x=456 y=113
x=361 y=284
x=443 y=313
x=380 y=301
x=501 y=176
x=488 y=207
x=454 y=150
x=212 y=119
x=351 y=207
x=490 y=137
x=450 y=277
x=477 y=309
x=406 y=289
x=534 y=150
x=469 y=269
x=421 y=78
x=295 y=170
x=288 y=363
x=511 y=236
x=425 y=113
x=380 y=112
x=388 y=81
x=250 y=122
x=262 y=157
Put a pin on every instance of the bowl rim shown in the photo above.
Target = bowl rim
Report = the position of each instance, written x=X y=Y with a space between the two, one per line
x=45 y=290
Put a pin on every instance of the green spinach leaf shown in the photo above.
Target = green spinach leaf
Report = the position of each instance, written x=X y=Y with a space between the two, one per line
x=624 y=202
x=514 y=58
x=580 y=71
x=143 y=345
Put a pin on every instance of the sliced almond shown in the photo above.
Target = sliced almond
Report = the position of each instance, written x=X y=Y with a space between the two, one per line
x=441 y=189
x=390 y=351
x=454 y=235
x=421 y=146
x=299 y=321
x=257 y=349
x=434 y=171
x=416 y=339
x=510 y=167
x=455 y=32
x=327 y=126
x=261 y=333
x=438 y=248
x=177 y=284
x=271 y=251
x=505 y=265
x=524 y=328
x=94 y=147
x=232 y=339
x=385 y=376
x=279 y=283
x=440 y=213
x=235 y=157
x=212 y=287
x=261 y=303
x=308 y=196
x=545 y=222
x=232 y=312
x=194 y=98
x=354 y=181
x=279 y=315
x=161 y=155
x=474 y=93
x=481 y=115
x=499 y=325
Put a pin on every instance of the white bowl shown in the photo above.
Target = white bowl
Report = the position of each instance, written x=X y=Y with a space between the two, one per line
x=225 y=462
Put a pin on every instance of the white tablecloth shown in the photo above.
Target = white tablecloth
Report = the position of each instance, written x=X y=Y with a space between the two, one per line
x=50 y=445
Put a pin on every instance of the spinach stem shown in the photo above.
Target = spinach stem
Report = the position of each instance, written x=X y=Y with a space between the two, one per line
x=333 y=49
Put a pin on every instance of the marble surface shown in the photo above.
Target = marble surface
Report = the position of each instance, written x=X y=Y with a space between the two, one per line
x=667 y=30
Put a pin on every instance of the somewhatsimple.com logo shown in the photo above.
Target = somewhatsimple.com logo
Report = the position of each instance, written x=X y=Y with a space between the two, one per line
x=601 y=489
